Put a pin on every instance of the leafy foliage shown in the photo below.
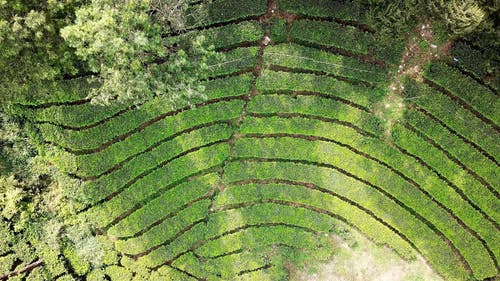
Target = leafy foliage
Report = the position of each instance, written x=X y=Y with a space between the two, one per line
x=43 y=43
x=121 y=43
x=459 y=16
x=32 y=53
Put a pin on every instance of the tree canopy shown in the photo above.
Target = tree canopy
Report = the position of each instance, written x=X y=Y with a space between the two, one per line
x=120 y=43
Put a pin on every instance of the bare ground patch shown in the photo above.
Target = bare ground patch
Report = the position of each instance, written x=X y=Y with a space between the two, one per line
x=421 y=48
x=358 y=259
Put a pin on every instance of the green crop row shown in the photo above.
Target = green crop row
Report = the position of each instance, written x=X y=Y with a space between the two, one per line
x=430 y=245
x=165 y=273
x=96 y=164
x=278 y=30
x=66 y=91
x=314 y=198
x=156 y=180
x=252 y=238
x=477 y=96
x=6 y=262
x=324 y=152
x=223 y=11
x=289 y=81
x=222 y=222
x=324 y=8
x=107 y=184
x=73 y=115
x=224 y=36
x=411 y=142
x=478 y=63
x=273 y=273
x=88 y=114
x=91 y=138
x=226 y=221
x=233 y=61
x=118 y=273
x=453 y=115
x=378 y=149
x=223 y=268
x=67 y=277
x=133 y=146
x=297 y=56
x=94 y=137
x=165 y=204
x=467 y=154
x=315 y=106
x=332 y=34
x=248 y=265
x=164 y=231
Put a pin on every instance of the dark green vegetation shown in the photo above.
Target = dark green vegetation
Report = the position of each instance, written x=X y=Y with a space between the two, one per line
x=282 y=146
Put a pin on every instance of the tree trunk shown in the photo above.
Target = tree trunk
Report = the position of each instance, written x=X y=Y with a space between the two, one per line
x=27 y=268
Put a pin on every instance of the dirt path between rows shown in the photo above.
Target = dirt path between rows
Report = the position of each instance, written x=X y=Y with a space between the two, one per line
x=421 y=48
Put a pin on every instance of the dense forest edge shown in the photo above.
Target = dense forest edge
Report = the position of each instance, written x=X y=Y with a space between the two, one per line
x=125 y=55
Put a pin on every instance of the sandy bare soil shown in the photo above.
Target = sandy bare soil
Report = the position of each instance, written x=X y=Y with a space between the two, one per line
x=366 y=262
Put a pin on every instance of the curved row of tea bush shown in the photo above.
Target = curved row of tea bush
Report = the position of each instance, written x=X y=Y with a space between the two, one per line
x=284 y=148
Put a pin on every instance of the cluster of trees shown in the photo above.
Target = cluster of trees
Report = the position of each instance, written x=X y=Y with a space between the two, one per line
x=121 y=43
x=459 y=17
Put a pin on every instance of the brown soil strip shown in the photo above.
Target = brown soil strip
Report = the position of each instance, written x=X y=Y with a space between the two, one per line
x=245 y=44
x=6 y=253
x=267 y=266
x=62 y=275
x=338 y=51
x=194 y=3
x=463 y=104
x=322 y=73
x=240 y=72
x=462 y=138
x=294 y=94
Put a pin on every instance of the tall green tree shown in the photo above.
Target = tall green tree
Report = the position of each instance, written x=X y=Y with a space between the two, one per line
x=461 y=17
x=121 y=43
x=32 y=52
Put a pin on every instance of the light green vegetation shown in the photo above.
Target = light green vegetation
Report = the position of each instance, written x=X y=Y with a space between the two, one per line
x=279 y=142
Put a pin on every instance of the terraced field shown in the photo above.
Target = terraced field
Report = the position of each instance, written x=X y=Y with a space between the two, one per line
x=286 y=145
